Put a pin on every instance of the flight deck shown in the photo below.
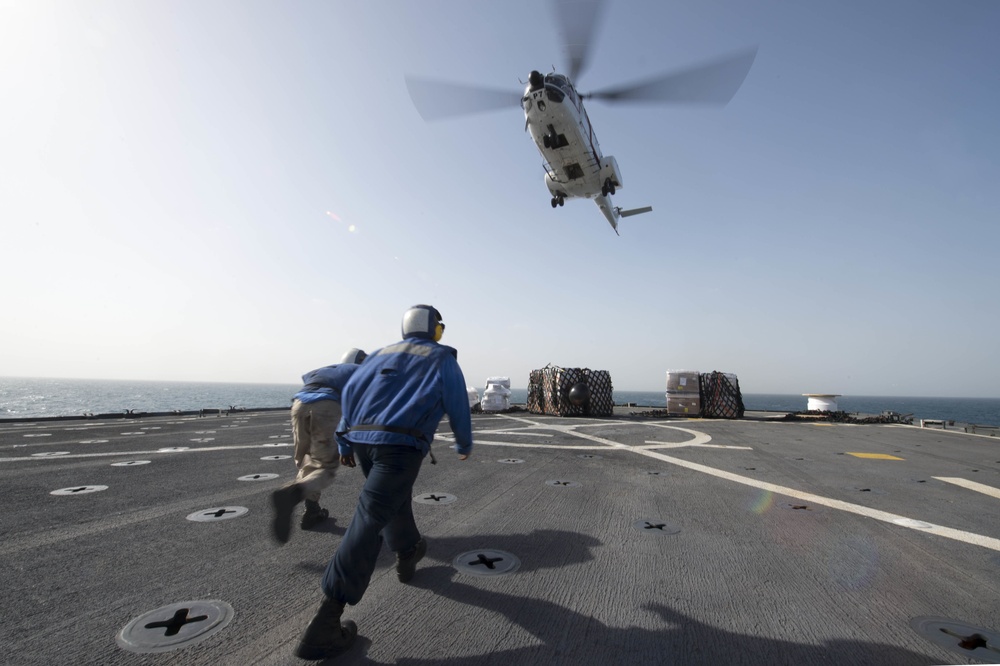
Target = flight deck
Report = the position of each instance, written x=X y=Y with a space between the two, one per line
x=623 y=540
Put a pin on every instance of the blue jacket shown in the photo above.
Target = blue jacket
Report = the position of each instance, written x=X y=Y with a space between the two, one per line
x=325 y=383
x=406 y=387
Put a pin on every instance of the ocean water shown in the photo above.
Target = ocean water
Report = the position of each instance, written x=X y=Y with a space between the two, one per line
x=34 y=398
x=980 y=411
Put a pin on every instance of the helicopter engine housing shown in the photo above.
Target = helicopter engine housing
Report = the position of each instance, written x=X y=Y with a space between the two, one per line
x=555 y=188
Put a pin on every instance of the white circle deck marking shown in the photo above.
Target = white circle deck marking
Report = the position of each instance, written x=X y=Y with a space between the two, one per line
x=486 y=562
x=49 y=454
x=175 y=626
x=131 y=463
x=977 y=643
x=217 y=513
x=257 y=477
x=78 y=490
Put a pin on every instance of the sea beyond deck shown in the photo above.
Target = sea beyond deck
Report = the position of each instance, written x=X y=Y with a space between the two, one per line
x=622 y=540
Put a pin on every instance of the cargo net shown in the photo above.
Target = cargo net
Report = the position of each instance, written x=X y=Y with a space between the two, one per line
x=570 y=392
x=720 y=396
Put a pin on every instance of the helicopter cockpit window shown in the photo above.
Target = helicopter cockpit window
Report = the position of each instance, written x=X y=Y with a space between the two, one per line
x=557 y=87
x=557 y=80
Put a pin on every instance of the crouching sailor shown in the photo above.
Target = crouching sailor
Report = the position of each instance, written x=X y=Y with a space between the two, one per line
x=392 y=406
x=315 y=415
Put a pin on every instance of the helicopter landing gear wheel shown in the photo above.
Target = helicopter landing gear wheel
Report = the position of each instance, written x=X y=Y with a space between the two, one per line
x=545 y=141
x=555 y=202
x=608 y=187
x=558 y=200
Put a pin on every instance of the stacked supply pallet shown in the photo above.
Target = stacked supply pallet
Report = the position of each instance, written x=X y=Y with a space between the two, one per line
x=496 y=397
x=720 y=396
x=570 y=392
x=683 y=393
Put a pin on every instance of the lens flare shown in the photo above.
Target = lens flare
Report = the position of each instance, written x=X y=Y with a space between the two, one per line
x=763 y=502
x=336 y=218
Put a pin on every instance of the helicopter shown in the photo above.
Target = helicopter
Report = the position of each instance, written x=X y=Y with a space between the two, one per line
x=557 y=120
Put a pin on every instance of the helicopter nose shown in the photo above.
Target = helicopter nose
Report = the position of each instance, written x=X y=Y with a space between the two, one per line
x=536 y=80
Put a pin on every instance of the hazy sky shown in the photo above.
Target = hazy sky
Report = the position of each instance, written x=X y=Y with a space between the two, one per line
x=241 y=191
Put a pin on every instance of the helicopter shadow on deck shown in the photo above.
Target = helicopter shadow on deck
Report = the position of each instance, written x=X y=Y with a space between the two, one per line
x=569 y=637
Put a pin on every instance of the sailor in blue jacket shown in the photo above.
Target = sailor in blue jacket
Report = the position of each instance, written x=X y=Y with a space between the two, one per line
x=392 y=406
x=315 y=415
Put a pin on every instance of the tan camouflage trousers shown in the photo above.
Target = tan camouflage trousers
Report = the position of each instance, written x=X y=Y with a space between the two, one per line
x=316 y=456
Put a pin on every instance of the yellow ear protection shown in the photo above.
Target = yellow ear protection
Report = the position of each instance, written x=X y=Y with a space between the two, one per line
x=423 y=321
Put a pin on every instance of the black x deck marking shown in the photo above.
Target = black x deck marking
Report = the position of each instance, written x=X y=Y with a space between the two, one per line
x=174 y=624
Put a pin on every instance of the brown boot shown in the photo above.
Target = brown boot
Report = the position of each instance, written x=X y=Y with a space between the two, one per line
x=314 y=515
x=325 y=636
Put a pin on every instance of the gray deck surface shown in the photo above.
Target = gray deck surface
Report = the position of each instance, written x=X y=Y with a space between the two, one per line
x=787 y=549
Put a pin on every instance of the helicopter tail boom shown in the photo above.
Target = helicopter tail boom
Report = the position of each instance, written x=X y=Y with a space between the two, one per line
x=614 y=213
x=610 y=212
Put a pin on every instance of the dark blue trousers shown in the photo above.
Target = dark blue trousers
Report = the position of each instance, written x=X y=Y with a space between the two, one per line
x=385 y=510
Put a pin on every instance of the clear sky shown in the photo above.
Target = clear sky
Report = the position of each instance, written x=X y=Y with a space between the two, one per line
x=239 y=191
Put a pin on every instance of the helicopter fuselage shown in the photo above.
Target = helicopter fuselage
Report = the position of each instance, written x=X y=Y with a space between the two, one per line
x=574 y=166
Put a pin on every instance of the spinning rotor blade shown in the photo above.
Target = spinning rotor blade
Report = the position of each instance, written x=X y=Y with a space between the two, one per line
x=712 y=83
x=576 y=20
x=439 y=99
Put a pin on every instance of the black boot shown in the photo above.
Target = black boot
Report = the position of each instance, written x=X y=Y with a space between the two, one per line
x=406 y=564
x=284 y=500
x=325 y=636
x=314 y=515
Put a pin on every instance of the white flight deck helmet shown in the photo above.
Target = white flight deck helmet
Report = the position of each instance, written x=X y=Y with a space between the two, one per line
x=423 y=321
x=354 y=355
